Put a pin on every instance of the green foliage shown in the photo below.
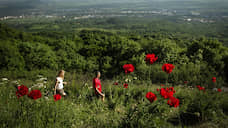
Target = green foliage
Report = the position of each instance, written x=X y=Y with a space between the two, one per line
x=90 y=50
x=37 y=56
x=122 y=107
x=11 y=59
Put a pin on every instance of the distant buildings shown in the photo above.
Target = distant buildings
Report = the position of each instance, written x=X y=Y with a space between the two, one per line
x=162 y=12
x=202 y=20
x=76 y=14
x=11 y=17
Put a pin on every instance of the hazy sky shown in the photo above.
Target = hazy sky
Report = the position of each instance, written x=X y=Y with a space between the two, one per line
x=99 y=1
x=14 y=7
x=13 y=1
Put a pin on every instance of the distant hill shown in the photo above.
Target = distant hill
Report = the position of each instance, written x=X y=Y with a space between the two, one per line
x=19 y=7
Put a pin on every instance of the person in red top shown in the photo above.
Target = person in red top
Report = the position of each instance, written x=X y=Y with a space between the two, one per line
x=97 y=86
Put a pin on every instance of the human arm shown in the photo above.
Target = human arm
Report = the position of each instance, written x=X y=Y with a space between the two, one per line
x=100 y=93
x=103 y=95
x=56 y=83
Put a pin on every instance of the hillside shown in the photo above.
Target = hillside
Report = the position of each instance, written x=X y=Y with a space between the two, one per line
x=91 y=50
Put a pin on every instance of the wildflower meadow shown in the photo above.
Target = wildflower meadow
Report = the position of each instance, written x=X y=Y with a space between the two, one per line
x=129 y=102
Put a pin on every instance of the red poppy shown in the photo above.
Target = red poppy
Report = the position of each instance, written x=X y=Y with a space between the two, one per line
x=151 y=58
x=125 y=85
x=171 y=88
x=170 y=94
x=162 y=85
x=35 y=94
x=185 y=82
x=158 y=89
x=151 y=97
x=200 y=88
x=163 y=93
x=167 y=92
x=173 y=102
x=219 y=89
x=128 y=68
x=213 y=79
x=168 y=68
x=116 y=83
x=57 y=97
x=21 y=91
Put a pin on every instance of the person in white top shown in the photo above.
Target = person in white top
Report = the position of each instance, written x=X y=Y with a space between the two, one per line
x=59 y=83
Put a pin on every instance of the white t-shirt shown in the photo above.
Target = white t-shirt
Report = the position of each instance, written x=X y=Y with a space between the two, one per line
x=60 y=83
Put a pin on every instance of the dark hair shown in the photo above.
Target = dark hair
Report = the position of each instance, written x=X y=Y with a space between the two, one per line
x=96 y=73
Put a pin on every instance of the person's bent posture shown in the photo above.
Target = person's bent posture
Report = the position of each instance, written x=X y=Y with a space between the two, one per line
x=97 y=86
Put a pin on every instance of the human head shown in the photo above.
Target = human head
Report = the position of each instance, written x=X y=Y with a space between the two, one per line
x=61 y=73
x=98 y=74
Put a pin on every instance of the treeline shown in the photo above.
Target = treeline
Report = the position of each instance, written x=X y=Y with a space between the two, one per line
x=174 y=26
x=195 y=60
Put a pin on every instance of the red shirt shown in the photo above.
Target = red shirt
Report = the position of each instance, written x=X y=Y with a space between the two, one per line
x=97 y=84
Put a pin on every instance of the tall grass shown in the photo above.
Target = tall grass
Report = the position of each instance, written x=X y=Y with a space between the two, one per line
x=123 y=107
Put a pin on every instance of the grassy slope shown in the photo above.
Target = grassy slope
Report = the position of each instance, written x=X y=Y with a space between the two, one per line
x=122 y=107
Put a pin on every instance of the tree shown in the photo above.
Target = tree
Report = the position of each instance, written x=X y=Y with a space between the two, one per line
x=10 y=56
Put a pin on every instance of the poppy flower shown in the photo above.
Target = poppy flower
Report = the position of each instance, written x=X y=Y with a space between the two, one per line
x=200 y=88
x=158 y=89
x=185 y=82
x=151 y=97
x=162 y=85
x=116 y=83
x=167 y=92
x=168 y=68
x=173 y=102
x=163 y=93
x=213 y=79
x=151 y=58
x=125 y=85
x=219 y=89
x=35 y=94
x=21 y=91
x=170 y=94
x=171 y=88
x=57 y=97
x=128 y=68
